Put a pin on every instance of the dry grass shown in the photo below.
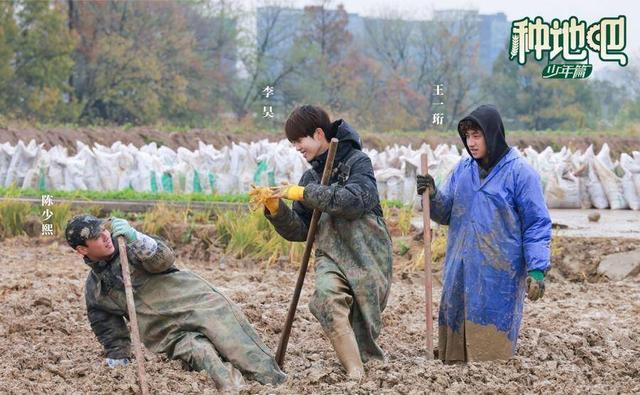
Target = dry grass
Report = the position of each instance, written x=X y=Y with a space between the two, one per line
x=61 y=215
x=398 y=219
x=416 y=262
x=160 y=217
x=405 y=213
x=249 y=234
x=241 y=234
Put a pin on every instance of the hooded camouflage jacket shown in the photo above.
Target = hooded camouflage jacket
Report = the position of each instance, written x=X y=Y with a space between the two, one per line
x=352 y=190
x=104 y=291
x=351 y=232
x=179 y=314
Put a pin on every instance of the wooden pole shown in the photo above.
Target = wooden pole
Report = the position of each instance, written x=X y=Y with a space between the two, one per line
x=311 y=235
x=428 y=279
x=133 y=319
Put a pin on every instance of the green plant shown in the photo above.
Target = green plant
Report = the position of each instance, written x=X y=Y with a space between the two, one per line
x=61 y=215
x=249 y=235
x=117 y=213
x=127 y=194
x=403 y=248
x=12 y=216
x=11 y=191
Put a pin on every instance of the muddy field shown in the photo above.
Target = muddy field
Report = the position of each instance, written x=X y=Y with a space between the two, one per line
x=582 y=337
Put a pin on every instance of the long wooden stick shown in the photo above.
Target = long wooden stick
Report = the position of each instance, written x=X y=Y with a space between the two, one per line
x=428 y=280
x=311 y=235
x=133 y=318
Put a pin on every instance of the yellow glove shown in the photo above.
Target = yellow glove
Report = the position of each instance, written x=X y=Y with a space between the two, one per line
x=292 y=192
x=264 y=196
x=272 y=204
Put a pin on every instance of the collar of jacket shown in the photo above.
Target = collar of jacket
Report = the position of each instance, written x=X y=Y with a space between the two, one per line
x=349 y=140
x=477 y=183
x=344 y=149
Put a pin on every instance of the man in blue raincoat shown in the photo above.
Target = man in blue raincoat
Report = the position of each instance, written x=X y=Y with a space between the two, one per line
x=498 y=242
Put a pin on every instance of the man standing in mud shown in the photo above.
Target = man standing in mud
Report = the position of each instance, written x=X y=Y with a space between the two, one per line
x=353 y=249
x=498 y=242
x=179 y=313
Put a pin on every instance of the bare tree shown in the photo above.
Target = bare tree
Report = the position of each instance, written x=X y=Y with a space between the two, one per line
x=390 y=38
x=264 y=53
x=428 y=53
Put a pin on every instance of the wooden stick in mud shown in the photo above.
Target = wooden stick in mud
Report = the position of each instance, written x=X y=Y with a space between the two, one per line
x=311 y=235
x=133 y=319
x=428 y=280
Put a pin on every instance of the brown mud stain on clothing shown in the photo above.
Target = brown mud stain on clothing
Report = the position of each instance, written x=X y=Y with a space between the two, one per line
x=486 y=342
x=474 y=342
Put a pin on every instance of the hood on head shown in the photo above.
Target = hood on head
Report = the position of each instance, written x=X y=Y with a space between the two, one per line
x=348 y=139
x=345 y=133
x=488 y=117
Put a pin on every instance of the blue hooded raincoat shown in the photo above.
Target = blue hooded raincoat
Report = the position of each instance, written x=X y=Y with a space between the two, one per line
x=499 y=228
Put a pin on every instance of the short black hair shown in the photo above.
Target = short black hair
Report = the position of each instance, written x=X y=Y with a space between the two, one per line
x=304 y=120
x=468 y=124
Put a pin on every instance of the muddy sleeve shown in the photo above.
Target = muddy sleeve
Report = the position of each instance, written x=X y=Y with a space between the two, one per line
x=110 y=329
x=534 y=217
x=291 y=223
x=153 y=254
x=358 y=196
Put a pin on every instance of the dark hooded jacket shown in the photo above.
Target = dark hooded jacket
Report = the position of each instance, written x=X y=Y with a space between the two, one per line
x=352 y=236
x=360 y=196
x=488 y=117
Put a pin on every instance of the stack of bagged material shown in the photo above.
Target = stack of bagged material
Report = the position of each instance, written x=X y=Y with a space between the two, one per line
x=569 y=179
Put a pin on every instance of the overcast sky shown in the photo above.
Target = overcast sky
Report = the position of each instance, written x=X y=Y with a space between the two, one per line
x=588 y=10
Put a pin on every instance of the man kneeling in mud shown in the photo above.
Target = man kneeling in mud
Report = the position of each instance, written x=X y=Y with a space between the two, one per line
x=179 y=313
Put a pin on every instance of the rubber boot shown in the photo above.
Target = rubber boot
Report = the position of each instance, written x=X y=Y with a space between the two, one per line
x=233 y=382
x=347 y=349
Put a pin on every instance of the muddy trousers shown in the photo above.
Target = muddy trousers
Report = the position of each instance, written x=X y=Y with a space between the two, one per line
x=204 y=329
x=473 y=342
x=227 y=346
x=198 y=352
x=470 y=341
x=331 y=304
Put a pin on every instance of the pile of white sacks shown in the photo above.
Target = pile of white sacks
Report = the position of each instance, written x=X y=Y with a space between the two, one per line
x=570 y=179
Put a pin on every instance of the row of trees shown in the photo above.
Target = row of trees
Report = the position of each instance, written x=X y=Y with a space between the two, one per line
x=114 y=61
x=194 y=62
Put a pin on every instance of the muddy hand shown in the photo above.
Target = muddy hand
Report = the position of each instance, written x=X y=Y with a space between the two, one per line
x=535 y=284
x=272 y=204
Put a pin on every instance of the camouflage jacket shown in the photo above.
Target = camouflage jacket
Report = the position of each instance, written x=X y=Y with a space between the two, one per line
x=172 y=306
x=352 y=190
x=104 y=290
x=351 y=232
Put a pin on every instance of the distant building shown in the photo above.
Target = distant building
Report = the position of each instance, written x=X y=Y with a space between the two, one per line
x=283 y=25
x=493 y=29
